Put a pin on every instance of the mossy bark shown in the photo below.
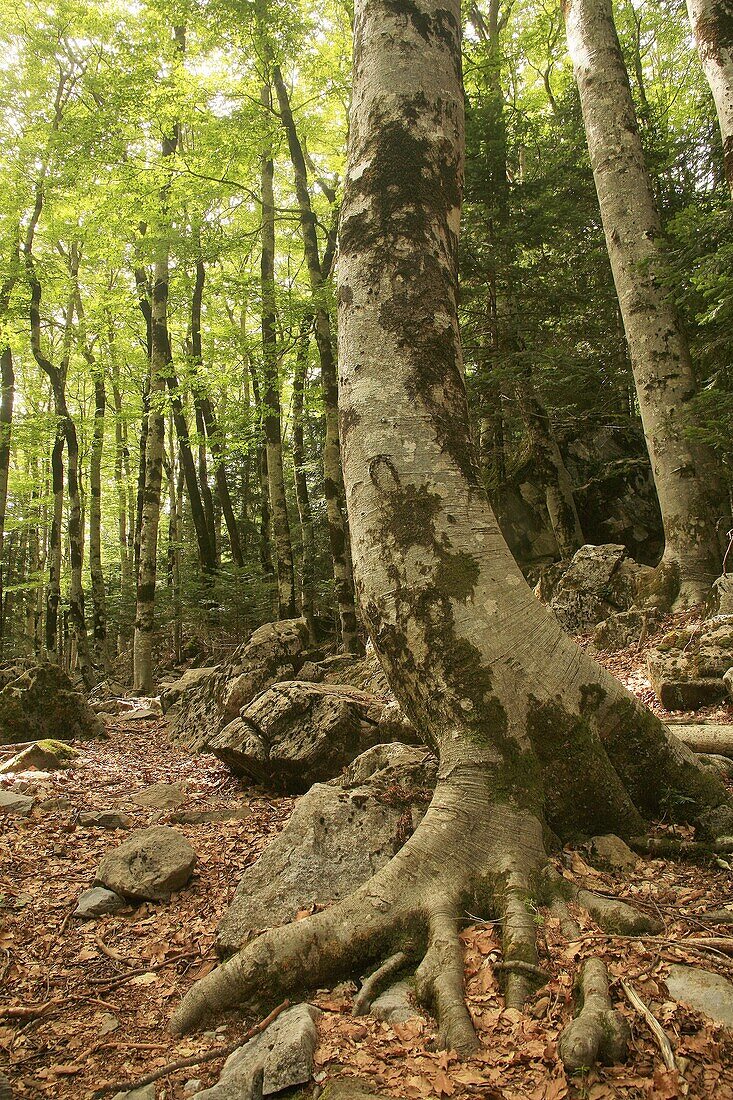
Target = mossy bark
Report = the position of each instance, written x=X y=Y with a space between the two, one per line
x=530 y=733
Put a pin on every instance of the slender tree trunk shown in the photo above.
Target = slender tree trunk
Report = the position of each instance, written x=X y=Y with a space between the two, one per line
x=209 y=423
x=206 y=548
x=284 y=570
x=99 y=599
x=549 y=465
x=332 y=476
x=265 y=525
x=7 y=397
x=301 y=482
x=684 y=474
x=712 y=25
x=53 y=595
x=530 y=732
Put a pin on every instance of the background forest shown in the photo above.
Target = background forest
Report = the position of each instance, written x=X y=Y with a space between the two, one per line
x=172 y=174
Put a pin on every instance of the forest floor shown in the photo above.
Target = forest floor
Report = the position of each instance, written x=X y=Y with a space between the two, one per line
x=85 y=1005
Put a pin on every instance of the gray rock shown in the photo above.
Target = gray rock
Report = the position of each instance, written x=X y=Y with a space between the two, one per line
x=723 y=594
x=172 y=692
x=703 y=990
x=271 y=653
x=42 y=703
x=688 y=665
x=161 y=796
x=612 y=850
x=624 y=628
x=98 y=901
x=104 y=819
x=339 y=835
x=44 y=756
x=20 y=805
x=284 y=1052
x=599 y=581
x=147 y=1092
x=192 y=1086
x=149 y=866
x=394 y=1005
x=296 y=734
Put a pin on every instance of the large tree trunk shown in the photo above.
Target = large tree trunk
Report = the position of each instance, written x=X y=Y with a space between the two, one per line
x=284 y=570
x=683 y=472
x=530 y=732
x=332 y=475
x=712 y=25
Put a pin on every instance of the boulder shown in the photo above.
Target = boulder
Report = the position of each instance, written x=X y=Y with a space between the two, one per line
x=43 y=756
x=703 y=990
x=104 y=819
x=273 y=652
x=687 y=666
x=172 y=692
x=296 y=734
x=728 y=681
x=42 y=703
x=613 y=851
x=149 y=866
x=339 y=835
x=19 y=805
x=723 y=594
x=394 y=1005
x=625 y=628
x=161 y=796
x=97 y=901
x=283 y=1052
x=596 y=583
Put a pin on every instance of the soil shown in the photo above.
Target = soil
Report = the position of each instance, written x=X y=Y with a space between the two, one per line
x=108 y=985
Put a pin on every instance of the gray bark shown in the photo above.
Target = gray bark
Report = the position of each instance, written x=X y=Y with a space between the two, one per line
x=684 y=474
x=712 y=25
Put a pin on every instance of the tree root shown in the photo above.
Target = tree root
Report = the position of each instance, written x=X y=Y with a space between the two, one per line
x=598 y=1032
x=612 y=914
x=378 y=981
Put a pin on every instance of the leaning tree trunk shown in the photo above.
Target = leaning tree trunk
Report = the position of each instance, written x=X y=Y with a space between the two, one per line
x=712 y=25
x=660 y=358
x=332 y=475
x=530 y=732
x=284 y=570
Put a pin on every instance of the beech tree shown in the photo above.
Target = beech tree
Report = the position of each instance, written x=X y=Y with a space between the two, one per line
x=535 y=740
x=712 y=25
x=688 y=486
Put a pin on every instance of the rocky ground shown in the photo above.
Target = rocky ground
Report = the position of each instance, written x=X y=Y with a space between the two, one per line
x=84 y=1004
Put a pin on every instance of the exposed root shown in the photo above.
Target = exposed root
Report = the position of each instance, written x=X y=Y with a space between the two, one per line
x=377 y=981
x=617 y=916
x=670 y=847
x=440 y=984
x=519 y=942
x=597 y=1033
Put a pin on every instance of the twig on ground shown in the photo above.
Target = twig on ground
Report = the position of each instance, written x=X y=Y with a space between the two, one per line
x=656 y=1028
x=106 y=985
x=195 y=1059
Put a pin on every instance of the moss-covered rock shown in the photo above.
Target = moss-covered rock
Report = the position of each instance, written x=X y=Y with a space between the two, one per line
x=42 y=703
x=47 y=755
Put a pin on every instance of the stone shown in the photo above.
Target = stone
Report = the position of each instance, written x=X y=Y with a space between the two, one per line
x=703 y=990
x=688 y=665
x=106 y=1024
x=723 y=594
x=98 y=901
x=161 y=796
x=273 y=652
x=192 y=1086
x=19 y=805
x=340 y=834
x=104 y=819
x=625 y=628
x=172 y=692
x=204 y=816
x=612 y=850
x=284 y=1051
x=149 y=866
x=296 y=734
x=598 y=582
x=42 y=703
x=44 y=756
x=147 y=1092
x=394 y=1005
